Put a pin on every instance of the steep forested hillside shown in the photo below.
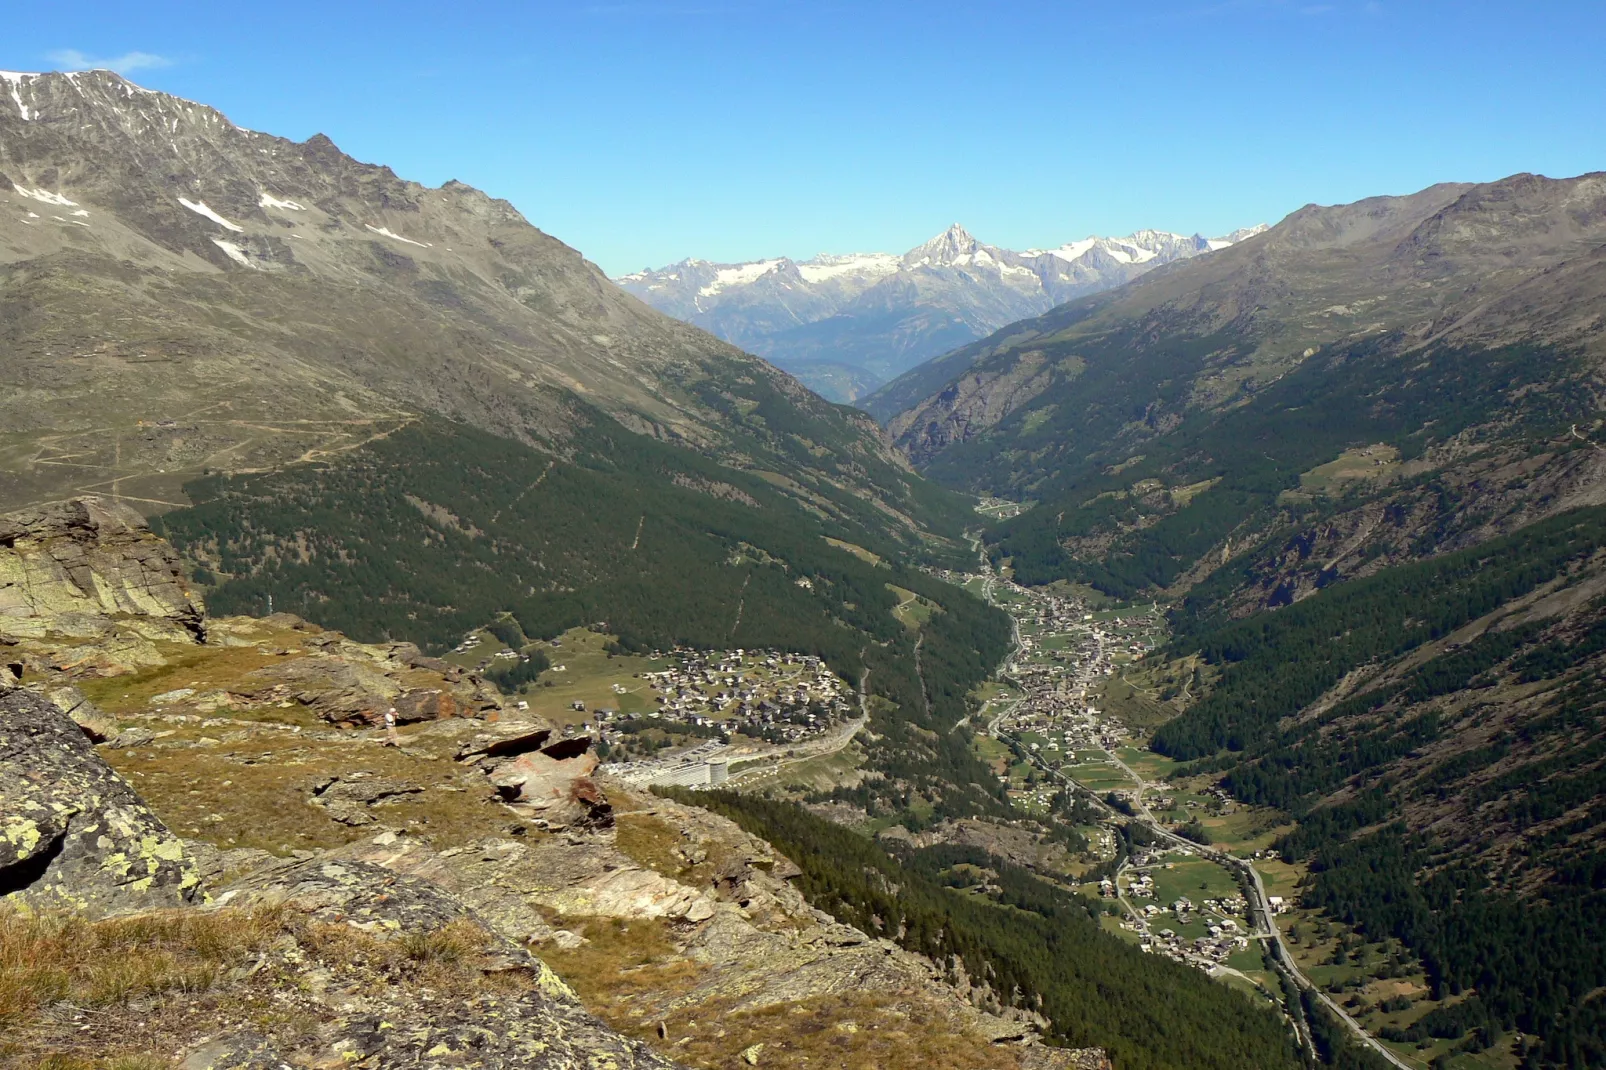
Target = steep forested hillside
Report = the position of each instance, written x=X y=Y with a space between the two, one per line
x=439 y=528
x=1362 y=456
x=1033 y=945
x=1438 y=730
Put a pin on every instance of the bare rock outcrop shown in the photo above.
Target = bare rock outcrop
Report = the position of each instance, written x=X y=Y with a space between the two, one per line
x=533 y=1023
x=76 y=567
x=73 y=834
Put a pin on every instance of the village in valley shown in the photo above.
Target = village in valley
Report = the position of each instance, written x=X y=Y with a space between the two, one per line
x=1046 y=725
x=1061 y=724
x=681 y=717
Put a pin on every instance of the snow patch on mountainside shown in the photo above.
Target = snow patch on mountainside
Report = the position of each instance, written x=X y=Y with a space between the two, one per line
x=825 y=266
x=14 y=80
x=234 y=252
x=44 y=196
x=388 y=233
x=270 y=201
x=200 y=208
x=740 y=275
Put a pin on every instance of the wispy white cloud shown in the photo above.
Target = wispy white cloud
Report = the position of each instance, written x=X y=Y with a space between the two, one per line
x=71 y=59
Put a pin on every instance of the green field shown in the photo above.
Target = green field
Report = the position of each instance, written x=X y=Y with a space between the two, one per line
x=1192 y=877
x=1245 y=830
x=1146 y=763
x=912 y=610
x=1378 y=462
x=1131 y=705
x=1101 y=778
x=589 y=676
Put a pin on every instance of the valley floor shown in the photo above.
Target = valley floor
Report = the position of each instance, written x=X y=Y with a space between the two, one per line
x=1068 y=712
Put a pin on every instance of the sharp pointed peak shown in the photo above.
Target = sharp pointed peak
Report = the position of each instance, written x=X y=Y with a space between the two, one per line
x=955 y=241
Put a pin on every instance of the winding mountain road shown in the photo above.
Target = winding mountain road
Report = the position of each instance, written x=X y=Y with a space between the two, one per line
x=1262 y=917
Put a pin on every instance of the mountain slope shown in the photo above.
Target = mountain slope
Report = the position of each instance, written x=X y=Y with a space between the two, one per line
x=844 y=324
x=409 y=412
x=179 y=294
x=1362 y=457
x=1446 y=267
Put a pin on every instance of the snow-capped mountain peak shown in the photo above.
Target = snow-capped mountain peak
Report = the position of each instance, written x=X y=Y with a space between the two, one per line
x=846 y=323
x=1238 y=235
x=956 y=245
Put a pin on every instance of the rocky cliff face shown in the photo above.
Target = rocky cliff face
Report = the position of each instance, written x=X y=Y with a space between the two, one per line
x=79 y=567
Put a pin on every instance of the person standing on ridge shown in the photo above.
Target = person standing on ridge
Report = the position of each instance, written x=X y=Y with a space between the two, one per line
x=391 y=739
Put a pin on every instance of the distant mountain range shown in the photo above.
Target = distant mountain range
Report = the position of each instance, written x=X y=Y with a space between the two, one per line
x=846 y=324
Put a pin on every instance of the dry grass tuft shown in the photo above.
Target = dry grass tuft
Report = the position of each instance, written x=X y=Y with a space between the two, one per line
x=850 y=1031
x=98 y=995
x=622 y=960
x=625 y=969
x=58 y=958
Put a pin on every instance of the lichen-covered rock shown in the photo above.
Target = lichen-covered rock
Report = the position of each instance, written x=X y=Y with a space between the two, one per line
x=349 y=797
x=541 y=1027
x=73 y=834
x=466 y=872
x=367 y=896
x=83 y=566
x=523 y=1032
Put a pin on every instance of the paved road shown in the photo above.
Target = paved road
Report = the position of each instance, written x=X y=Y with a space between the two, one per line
x=1260 y=908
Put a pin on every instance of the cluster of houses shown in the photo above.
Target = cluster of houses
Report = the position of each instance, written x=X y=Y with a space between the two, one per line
x=1203 y=951
x=780 y=698
x=763 y=695
x=1224 y=928
x=1064 y=653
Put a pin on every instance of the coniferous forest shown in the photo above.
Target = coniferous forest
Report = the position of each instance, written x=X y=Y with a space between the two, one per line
x=440 y=528
x=1035 y=946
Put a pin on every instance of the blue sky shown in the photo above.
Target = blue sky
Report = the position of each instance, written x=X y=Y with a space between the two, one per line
x=642 y=131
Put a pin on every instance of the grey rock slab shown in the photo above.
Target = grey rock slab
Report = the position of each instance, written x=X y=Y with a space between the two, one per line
x=73 y=834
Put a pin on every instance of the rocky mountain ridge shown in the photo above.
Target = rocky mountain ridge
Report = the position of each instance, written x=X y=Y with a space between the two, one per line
x=845 y=323
x=179 y=294
x=1502 y=263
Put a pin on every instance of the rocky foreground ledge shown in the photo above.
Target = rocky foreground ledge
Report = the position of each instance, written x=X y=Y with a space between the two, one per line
x=209 y=859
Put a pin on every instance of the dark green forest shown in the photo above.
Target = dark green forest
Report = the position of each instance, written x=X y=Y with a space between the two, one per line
x=1276 y=662
x=440 y=529
x=1523 y=938
x=1079 y=464
x=1035 y=945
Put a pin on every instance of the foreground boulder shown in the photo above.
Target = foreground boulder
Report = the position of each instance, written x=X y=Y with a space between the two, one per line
x=73 y=834
x=80 y=567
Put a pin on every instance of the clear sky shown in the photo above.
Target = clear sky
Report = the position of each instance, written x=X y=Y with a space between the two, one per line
x=643 y=131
